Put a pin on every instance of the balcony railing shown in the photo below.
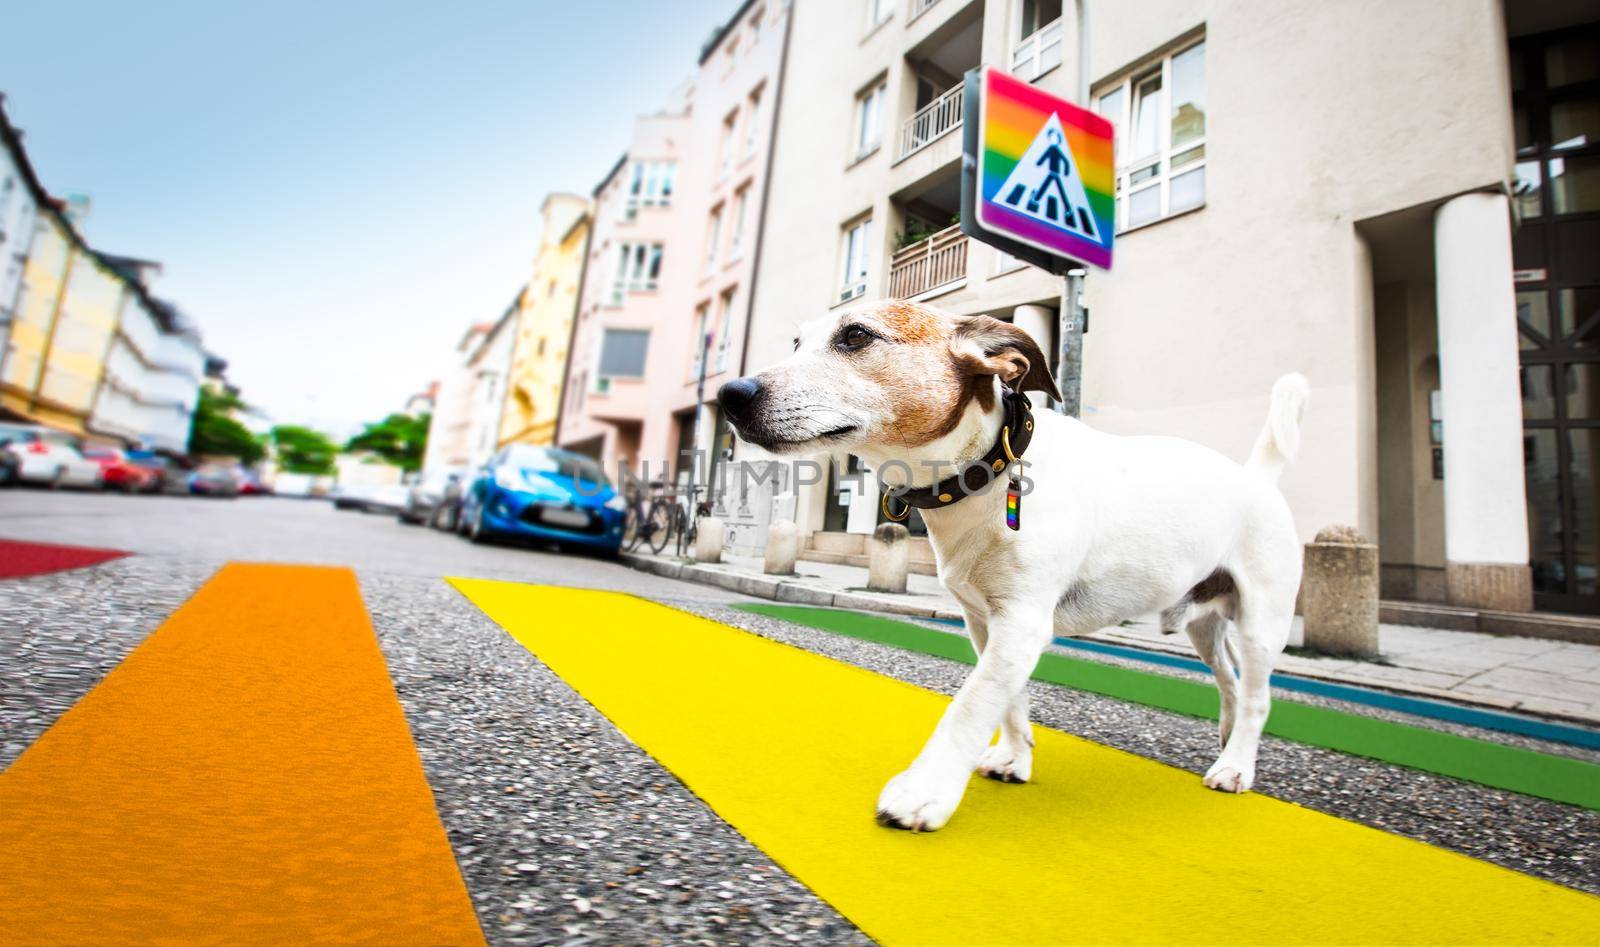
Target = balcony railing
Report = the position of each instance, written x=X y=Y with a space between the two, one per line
x=919 y=7
x=928 y=264
x=931 y=121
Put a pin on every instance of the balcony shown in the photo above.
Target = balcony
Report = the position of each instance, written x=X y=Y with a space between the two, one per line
x=928 y=264
x=930 y=123
x=919 y=7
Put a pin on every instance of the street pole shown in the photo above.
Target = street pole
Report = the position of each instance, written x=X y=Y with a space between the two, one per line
x=1071 y=316
x=699 y=409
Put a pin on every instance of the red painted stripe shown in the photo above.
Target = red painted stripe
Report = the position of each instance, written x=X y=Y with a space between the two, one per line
x=19 y=558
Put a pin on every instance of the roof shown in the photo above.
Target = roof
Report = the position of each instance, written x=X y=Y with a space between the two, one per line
x=721 y=32
x=128 y=269
x=610 y=174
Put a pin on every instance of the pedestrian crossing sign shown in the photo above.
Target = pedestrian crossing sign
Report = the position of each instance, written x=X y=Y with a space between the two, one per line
x=1043 y=171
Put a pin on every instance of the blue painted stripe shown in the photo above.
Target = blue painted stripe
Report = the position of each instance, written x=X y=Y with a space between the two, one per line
x=1417 y=706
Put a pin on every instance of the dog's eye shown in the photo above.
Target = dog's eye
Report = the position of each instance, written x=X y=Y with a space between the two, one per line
x=854 y=337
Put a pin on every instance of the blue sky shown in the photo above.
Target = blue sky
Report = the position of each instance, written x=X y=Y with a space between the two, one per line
x=336 y=189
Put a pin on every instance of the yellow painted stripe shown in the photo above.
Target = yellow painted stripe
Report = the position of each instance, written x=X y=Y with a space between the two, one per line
x=791 y=748
x=244 y=776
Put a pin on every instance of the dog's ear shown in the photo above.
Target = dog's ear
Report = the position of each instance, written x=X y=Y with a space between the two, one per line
x=986 y=346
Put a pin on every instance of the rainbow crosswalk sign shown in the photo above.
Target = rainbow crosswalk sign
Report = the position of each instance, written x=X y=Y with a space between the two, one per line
x=1042 y=172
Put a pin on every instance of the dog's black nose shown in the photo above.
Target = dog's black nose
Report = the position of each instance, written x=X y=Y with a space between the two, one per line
x=737 y=395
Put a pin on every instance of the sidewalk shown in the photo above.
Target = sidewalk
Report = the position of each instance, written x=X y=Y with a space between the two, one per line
x=1532 y=675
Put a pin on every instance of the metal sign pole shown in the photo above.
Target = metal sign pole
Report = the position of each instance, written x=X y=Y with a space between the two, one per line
x=1069 y=370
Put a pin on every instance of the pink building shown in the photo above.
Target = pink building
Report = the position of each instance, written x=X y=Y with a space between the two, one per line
x=672 y=255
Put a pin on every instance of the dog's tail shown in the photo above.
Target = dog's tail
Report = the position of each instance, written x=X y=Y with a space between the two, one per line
x=1280 y=438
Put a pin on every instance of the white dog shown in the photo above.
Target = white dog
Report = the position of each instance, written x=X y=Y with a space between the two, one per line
x=1113 y=527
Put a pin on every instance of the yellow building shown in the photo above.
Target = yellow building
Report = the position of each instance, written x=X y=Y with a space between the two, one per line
x=66 y=314
x=544 y=323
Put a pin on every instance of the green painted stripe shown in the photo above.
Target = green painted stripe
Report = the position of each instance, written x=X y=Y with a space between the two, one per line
x=1448 y=754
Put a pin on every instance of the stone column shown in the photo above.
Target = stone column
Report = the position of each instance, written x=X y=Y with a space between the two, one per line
x=1339 y=593
x=783 y=548
x=1485 y=503
x=1039 y=322
x=888 y=558
x=708 y=540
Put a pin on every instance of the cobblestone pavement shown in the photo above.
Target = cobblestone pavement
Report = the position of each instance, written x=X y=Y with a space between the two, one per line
x=564 y=830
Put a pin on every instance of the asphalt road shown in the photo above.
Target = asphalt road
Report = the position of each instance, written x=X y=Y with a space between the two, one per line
x=563 y=829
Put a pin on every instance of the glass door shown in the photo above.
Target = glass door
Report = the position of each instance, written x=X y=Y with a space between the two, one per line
x=1555 y=81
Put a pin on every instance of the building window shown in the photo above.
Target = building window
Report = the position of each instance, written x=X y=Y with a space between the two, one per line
x=713 y=238
x=702 y=325
x=853 y=259
x=1005 y=263
x=725 y=149
x=752 y=121
x=622 y=353
x=1159 y=112
x=1036 y=44
x=724 y=325
x=755 y=25
x=736 y=240
x=638 y=269
x=877 y=12
x=651 y=186
x=869 y=119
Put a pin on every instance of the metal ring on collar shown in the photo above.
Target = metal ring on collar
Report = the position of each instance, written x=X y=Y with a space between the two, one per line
x=883 y=504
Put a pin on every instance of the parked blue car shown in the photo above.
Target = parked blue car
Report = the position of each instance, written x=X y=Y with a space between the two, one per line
x=546 y=494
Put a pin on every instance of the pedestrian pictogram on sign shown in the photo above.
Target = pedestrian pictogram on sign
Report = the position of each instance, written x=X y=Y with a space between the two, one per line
x=1045 y=184
x=1038 y=179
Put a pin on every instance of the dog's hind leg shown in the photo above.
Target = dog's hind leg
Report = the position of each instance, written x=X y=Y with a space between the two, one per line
x=1209 y=633
x=1263 y=627
x=1009 y=760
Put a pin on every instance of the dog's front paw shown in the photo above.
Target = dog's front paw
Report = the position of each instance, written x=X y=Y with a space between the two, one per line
x=918 y=801
x=1226 y=777
x=1006 y=764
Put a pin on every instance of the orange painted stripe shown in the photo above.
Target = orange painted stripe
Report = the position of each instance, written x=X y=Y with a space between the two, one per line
x=246 y=775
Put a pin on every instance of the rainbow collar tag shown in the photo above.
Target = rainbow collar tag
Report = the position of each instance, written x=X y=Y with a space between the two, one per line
x=1014 y=505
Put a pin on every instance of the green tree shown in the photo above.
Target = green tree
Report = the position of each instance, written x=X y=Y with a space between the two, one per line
x=215 y=432
x=302 y=450
x=399 y=439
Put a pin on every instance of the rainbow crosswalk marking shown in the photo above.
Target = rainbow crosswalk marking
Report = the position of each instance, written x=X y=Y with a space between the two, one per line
x=245 y=776
x=791 y=748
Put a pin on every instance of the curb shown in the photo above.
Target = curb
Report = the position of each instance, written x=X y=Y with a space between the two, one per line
x=779 y=589
x=792 y=592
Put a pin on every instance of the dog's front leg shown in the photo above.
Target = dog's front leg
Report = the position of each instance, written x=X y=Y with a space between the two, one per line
x=1011 y=759
x=925 y=796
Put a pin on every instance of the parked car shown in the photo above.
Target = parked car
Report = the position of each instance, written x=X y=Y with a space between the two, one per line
x=428 y=492
x=167 y=475
x=214 y=480
x=48 y=456
x=370 y=498
x=8 y=467
x=543 y=493
x=117 y=472
x=250 y=484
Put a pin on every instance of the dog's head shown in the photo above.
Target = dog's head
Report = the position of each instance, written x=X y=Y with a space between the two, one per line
x=894 y=374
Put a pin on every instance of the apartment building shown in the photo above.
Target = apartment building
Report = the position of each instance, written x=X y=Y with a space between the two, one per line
x=1399 y=199
x=544 y=324
x=84 y=347
x=450 y=427
x=677 y=223
x=150 y=382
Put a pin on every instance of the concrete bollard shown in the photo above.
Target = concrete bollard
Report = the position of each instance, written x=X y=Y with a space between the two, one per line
x=708 y=540
x=888 y=558
x=1339 y=593
x=783 y=548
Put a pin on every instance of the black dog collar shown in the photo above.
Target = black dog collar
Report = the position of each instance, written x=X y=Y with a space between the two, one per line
x=1016 y=432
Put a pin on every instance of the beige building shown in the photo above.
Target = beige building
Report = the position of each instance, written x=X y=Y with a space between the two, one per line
x=1334 y=188
x=544 y=323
